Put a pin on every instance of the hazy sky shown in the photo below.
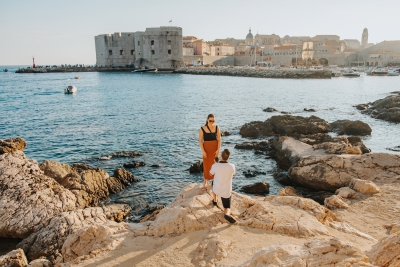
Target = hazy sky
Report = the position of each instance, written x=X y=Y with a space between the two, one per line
x=58 y=32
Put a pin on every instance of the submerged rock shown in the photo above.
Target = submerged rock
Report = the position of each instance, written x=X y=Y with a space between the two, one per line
x=196 y=167
x=134 y=164
x=269 y=110
x=309 y=110
x=349 y=127
x=11 y=145
x=257 y=188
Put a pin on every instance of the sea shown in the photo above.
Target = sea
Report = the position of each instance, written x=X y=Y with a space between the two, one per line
x=160 y=114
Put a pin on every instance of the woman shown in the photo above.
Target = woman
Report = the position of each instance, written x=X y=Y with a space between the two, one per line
x=210 y=144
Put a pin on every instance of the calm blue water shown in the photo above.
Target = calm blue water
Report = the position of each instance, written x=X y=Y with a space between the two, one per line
x=160 y=115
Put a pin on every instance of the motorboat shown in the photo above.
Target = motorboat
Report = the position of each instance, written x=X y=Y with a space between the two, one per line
x=393 y=73
x=5 y=70
x=146 y=69
x=379 y=72
x=350 y=73
x=70 y=89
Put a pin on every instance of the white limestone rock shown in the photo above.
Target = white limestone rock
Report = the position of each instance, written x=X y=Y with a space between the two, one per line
x=345 y=192
x=365 y=187
x=335 y=202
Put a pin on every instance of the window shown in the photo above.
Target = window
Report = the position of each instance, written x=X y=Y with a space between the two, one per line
x=152 y=42
x=169 y=51
x=121 y=52
x=138 y=42
x=110 y=52
x=152 y=52
x=169 y=42
x=217 y=54
x=132 y=52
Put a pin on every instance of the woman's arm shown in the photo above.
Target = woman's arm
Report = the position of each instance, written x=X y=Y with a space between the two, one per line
x=219 y=141
x=203 y=152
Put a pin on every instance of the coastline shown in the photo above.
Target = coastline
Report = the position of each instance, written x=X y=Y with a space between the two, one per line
x=258 y=72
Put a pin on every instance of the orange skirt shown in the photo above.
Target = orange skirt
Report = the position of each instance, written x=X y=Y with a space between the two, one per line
x=210 y=147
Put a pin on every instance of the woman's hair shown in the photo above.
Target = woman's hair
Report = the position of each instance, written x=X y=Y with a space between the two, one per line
x=209 y=116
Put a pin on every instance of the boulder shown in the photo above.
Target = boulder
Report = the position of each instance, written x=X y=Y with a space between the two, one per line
x=257 y=188
x=289 y=191
x=365 y=187
x=349 y=127
x=125 y=177
x=331 y=172
x=309 y=110
x=387 y=109
x=335 y=202
x=332 y=252
x=225 y=133
x=282 y=177
x=387 y=251
x=263 y=145
x=28 y=197
x=89 y=185
x=361 y=106
x=196 y=167
x=40 y=263
x=290 y=125
x=11 y=145
x=50 y=240
x=345 y=192
x=256 y=129
x=250 y=173
x=15 y=258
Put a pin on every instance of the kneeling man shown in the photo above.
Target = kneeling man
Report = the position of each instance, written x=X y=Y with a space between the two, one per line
x=222 y=186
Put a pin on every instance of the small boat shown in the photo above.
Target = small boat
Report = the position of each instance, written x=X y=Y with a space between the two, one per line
x=147 y=69
x=5 y=70
x=350 y=73
x=78 y=77
x=70 y=89
x=379 y=72
x=393 y=73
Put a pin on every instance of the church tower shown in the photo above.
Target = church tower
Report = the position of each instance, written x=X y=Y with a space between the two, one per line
x=249 y=38
x=364 y=38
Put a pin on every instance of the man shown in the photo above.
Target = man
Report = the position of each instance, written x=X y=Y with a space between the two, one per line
x=222 y=186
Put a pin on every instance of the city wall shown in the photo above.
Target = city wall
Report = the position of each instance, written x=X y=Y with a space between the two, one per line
x=258 y=72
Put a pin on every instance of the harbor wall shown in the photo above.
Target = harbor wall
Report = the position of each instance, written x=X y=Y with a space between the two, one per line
x=258 y=72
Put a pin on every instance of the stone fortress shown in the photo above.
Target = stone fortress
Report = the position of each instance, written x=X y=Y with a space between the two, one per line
x=166 y=49
x=155 y=47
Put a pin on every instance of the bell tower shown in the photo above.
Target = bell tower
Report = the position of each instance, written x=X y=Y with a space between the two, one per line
x=364 y=37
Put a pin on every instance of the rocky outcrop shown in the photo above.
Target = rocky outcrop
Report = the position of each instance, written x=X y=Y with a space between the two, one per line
x=333 y=252
x=332 y=172
x=269 y=110
x=349 y=127
x=365 y=187
x=11 y=145
x=15 y=258
x=387 y=109
x=192 y=210
x=134 y=164
x=335 y=202
x=289 y=191
x=40 y=263
x=256 y=129
x=262 y=146
x=259 y=188
x=28 y=197
x=89 y=185
x=387 y=251
x=69 y=234
x=345 y=192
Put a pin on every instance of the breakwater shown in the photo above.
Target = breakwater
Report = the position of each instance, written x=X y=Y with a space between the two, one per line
x=78 y=69
x=259 y=72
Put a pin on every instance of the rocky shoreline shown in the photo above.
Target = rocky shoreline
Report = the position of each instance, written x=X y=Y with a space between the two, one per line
x=55 y=209
x=258 y=73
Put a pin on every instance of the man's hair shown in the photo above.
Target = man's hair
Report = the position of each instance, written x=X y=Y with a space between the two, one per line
x=225 y=154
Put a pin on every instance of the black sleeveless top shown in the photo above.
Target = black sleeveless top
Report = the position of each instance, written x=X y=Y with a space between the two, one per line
x=210 y=136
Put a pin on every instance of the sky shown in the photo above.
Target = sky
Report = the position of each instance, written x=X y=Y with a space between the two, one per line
x=62 y=32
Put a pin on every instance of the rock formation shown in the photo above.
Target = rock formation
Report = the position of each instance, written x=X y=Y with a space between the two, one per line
x=387 y=251
x=15 y=258
x=257 y=188
x=331 y=172
x=70 y=234
x=387 y=109
x=349 y=127
x=11 y=145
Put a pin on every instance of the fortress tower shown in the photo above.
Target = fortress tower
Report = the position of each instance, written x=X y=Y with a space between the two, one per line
x=364 y=38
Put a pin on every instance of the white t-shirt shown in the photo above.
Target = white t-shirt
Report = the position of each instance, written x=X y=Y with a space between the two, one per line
x=223 y=174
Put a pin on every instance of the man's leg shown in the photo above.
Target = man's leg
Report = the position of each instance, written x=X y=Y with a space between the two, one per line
x=226 y=202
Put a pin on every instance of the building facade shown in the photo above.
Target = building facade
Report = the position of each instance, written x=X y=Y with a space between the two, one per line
x=157 y=47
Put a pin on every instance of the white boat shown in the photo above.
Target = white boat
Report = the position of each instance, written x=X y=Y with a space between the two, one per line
x=70 y=89
x=350 y=73
x=393 y=73
x=379 y=72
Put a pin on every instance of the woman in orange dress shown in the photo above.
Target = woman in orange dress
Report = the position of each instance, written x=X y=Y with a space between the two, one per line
x=210 y=144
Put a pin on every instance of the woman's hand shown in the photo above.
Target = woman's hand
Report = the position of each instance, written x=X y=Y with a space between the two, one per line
x=216 y=154
x=204 y=154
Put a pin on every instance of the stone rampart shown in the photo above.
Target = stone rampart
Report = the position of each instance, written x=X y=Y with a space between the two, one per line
x=259 y=72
